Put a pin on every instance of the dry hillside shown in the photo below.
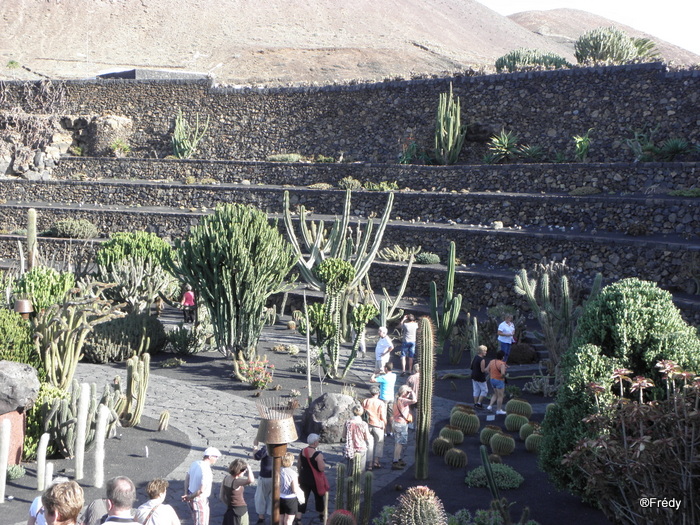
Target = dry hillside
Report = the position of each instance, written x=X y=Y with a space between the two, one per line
x=261 y=42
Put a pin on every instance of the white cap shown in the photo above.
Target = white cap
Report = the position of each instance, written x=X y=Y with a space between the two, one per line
x=212 y=452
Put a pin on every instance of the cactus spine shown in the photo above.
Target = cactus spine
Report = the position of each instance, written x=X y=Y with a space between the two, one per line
x=4 y=455
x=446 y=316
x=426 y=352
x=81 y=430
x=341 y=517
x=41 y=460
x=419 y=505
x=456 y=458
x=103 y=416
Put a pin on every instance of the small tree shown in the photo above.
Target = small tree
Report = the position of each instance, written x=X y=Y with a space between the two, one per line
x=235 y=259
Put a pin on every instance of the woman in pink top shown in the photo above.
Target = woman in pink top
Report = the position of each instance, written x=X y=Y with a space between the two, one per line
x=188 y=304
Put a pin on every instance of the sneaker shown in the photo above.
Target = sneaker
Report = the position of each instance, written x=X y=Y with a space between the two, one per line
x=478 y=405
x=401 y=462
x=489 y=407
x=501 y=412
x=396 y=466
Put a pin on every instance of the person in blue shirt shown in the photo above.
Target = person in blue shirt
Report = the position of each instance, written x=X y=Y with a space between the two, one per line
x=387 y=383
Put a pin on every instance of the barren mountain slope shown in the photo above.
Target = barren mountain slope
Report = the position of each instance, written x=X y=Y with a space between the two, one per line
x=270 y=41
x=567 y=25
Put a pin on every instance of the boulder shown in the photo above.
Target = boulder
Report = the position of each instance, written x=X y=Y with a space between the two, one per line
x=104 y=131
x=326 y=416
x=19 y=386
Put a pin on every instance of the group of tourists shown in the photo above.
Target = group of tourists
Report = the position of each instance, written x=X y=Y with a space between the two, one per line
x=495 y=370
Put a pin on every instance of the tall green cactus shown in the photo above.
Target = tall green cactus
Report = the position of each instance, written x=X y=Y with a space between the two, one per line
x=366 y=508
x=426 y=358
x=446 y=315
x=185 y=137
x=557 y=307
x=341 y=483
x=498 y=504
x=137 y=375
x=354 y=485
x=449 y=132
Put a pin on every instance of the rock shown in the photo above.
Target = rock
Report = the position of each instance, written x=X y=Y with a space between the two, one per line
x=105 y=131
x=326 y=416
x=19 y=386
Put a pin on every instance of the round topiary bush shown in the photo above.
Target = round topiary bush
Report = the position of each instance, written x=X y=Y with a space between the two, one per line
x=487 y=432
x=467 y=423
x=514 y=422
x=456 y=458
x=519 y=406
x=441 y=445
x=502 y=444
x=453 y=434
x=533 y=443
x=505 y=477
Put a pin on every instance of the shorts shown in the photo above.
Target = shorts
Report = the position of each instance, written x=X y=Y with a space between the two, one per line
x=408 y=350
x=289 y=505
x=479 y=388
x=400 y=433
x=498 y=384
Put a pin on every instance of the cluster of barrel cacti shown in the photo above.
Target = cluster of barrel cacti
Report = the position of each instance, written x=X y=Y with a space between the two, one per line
x=467 y=421
x=452 y=434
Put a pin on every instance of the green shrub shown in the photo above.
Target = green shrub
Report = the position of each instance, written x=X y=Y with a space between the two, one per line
x=324 y=159
x=44 y=286
x=186 y=341
x=523 y=58
x=320 y=186
x=506 y=477
x=15 y=472
x=522 y=354
x=120 y=338
x=631 y=324
x=130 y=245
x=285 y=157
x=35 y=420
x=605 y=44
x=692 y=192
x=349 y=183
x=74 y=229
x=16 y=343
x=427 y=258
x=381 y=186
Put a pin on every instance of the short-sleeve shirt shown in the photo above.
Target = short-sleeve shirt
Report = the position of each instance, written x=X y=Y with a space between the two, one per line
x=382 y=345
x=200 y=476
x=409 y=331
x=386 y=386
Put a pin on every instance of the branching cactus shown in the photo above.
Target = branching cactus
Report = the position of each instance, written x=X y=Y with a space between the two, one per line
x=498 y=504
x=446 y=315
x=449 y=132
x=419 y=506
x=426 y=357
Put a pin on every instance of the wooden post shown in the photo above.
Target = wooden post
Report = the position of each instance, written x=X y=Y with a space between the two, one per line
x=277 y=452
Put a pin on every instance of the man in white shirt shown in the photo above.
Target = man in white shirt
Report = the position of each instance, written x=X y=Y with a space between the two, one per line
x=385 y=345
x=409 y=327
x=198 y=481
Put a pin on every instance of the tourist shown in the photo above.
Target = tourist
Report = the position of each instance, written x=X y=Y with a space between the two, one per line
x=409 y=326
x=263 y=490
x=312 y=476
x=121 y=494
x=155 y=511
x=356 y=438
x=506 y=330
x=36 y=509
x=375 y=409
x=95 y=513
x=291 y=494
x=413 y=382
x=479 y=388
x=231 y=493
x=188 y=304
x=198 y=481
x=387 y=384
x=402 y=417
x=383 y=349
x=62 y=503
x=497 y=370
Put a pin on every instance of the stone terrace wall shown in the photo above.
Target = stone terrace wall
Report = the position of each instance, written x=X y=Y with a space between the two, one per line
x=521 y=178
x=623 y=214
x=370 y=122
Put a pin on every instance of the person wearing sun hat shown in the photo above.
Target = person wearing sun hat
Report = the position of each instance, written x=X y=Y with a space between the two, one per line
x=198 y=482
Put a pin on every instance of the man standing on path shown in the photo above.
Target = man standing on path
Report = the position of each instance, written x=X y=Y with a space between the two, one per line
x=198 y=482
x=506 y=330
x=409 y=327
x=121 y=495
x=479 y=388
x=387 y=382
x=376 y=409
x=382 y=351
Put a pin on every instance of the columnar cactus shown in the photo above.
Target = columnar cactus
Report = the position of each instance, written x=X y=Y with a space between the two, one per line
x=163 y=421
x=81 y=430
x=449 y=132
x=32 y=250
x=426 y=356
x=41 y=461
x=340 y=485
x=354 y=487
x=137 y=374
x=419 y=506
x=445 y=318
x=103 y=416
x=366 y=508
